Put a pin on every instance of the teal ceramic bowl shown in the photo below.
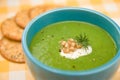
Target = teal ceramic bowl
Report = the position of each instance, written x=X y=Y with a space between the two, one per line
x=43 y=72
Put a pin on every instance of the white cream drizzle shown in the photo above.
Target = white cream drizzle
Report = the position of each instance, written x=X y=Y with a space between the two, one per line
x=77 y=53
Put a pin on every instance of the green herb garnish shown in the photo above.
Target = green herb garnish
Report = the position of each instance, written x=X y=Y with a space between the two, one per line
x=82 y=40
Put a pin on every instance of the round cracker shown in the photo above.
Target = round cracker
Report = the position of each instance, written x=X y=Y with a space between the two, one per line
x=12 y=50
x=22 y=18
x=11 y=30
x=35 y=11
x=1 y=35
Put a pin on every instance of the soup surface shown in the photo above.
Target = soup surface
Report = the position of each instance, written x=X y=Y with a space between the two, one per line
x=45 y=45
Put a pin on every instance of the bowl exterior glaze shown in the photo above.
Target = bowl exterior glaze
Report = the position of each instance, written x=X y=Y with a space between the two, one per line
x=43 y=72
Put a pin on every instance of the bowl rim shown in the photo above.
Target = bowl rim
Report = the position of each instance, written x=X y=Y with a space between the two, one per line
x=64 y=72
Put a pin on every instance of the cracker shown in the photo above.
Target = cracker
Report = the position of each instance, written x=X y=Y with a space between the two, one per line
x=12 y=50
x=22 y=18
x=11 y=30
x=35 y=11
x=1 y=35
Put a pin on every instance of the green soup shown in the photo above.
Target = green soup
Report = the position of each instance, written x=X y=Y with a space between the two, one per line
x=45 y=45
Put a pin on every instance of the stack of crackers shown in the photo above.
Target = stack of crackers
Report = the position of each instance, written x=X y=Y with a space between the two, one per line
x=12 y=29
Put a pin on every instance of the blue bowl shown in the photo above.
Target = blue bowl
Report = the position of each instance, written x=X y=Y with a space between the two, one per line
x=43 y=72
